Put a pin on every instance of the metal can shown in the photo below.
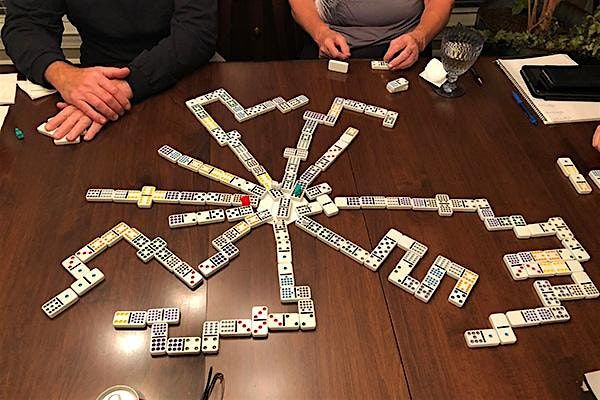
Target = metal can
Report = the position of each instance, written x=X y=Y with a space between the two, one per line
x=120 y=392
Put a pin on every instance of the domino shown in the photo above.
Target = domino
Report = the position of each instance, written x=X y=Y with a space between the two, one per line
x=315 y=191
x=523 y=318
x=210 y=216
x=60 y=303
x=430 y=283
x=595 y=177
x=99 y=195
x=188 y=275
x=500 y=323
x=567 y=167
x=129 y=320
x=259 y=322
x=397 y=85
x=482 y=338
x=87 y=282
x=390 y=119
x=210 y=337
x=75 y=267
x=580 y=184
x=169 y=153
x=183 y=220
x=292 y=294
x=546 y=293
x=213 y=264
x=338 y=66
x=283 y=322
x=158 y=346
x=379 y=65
x=180 y=346
x=307 y=316
x=169 y=316
x=235 y=328
x=65 y=141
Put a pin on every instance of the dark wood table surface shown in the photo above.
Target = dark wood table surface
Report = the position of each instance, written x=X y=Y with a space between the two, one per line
x=373 y=340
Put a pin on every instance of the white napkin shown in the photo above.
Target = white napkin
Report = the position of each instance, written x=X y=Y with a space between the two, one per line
x=8 y=88
x=3 y=112
x=434 y=72
x=33 y=90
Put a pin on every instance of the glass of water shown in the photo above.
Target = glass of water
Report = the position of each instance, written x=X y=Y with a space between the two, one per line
x=460 y=48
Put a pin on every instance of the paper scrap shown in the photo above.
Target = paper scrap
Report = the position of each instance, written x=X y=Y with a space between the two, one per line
x=34 y=91
x=8 y=88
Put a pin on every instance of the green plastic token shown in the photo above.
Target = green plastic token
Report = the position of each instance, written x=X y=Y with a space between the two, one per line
x=297 y=190
x=19 y=134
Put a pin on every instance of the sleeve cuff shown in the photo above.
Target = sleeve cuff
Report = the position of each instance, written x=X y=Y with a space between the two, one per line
x=139 y=83
x=39 y=65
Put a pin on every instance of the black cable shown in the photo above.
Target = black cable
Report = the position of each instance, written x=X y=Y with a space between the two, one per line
x=211 y=381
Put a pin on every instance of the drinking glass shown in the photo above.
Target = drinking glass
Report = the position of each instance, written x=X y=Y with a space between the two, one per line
x=460 y=48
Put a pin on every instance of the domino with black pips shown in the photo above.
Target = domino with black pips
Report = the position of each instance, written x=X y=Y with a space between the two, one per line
x=188 y=275
x=481 y=338
x=306 y=311
x=210 y=337
x=60 y=302
x=129 y=320
x=180 y=346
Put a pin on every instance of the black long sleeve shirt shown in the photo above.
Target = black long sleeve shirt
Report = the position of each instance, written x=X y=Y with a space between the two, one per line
x=159 y=40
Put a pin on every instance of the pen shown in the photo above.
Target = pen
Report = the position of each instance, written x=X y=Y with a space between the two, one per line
x=476 y=76
x=520 y=102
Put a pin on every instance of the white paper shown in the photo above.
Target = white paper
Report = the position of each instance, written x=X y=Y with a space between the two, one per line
x=3 y=112
x=8 y=88
x=551 y=111
x=434 y=72
x=33 y=90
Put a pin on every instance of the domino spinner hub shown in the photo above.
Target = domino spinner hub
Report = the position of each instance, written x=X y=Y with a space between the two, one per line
x=294 y=200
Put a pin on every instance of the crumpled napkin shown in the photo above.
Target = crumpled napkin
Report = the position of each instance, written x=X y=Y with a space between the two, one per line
x=434 y=72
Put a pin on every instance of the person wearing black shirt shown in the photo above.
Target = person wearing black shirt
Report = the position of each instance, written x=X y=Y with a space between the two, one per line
x=130 y=50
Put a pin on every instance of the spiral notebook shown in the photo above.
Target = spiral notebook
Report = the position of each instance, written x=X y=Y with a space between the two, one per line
x=549 y=111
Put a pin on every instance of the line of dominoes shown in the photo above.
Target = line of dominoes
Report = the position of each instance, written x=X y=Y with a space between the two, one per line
x=147 y=195
x=212 y=172
x=87 y=279
x=578 y=181
x=324 y=162
x=258 y=326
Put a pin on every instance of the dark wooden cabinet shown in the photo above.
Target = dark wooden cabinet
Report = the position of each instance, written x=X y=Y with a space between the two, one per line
x=258 y=30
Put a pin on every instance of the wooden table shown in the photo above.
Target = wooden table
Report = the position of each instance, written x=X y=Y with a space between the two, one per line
x=373 y=340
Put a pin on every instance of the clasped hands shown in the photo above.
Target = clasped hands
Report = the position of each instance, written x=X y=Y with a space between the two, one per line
x=402 y=52
x=92 y=97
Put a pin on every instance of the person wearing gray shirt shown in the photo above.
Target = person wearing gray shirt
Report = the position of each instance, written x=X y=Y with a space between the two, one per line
x=396 y=31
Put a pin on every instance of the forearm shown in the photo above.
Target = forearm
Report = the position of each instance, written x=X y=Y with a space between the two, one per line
x=32 y=34
x=306 y=15
x=434 y=18
x=191 y=43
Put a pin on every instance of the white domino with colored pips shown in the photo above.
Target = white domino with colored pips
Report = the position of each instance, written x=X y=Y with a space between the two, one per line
x=259 y=325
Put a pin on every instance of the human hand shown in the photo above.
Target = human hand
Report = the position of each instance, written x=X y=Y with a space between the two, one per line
x=93 y=91
x=332 y=44
x=403 y=51
x=596 y=138
x=72 y=123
